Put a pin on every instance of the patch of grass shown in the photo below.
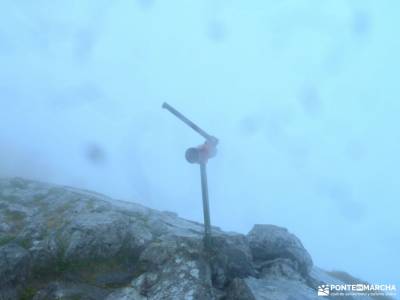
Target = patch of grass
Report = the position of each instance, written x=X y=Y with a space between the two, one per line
x=28 y=293
x=86 y=271
x=14 y=216
x=6 y=239
x=24 y=242
x=66 y=206
x=54 y=222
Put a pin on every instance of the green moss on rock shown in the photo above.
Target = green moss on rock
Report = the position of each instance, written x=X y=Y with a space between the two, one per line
x=5 y=239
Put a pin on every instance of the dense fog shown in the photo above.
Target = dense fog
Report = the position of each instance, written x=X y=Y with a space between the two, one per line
x=303 y=96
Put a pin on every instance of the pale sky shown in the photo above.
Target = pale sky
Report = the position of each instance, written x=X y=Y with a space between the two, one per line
x=303 y=96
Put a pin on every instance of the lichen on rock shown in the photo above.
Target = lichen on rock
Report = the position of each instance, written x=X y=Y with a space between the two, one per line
x=64 y=243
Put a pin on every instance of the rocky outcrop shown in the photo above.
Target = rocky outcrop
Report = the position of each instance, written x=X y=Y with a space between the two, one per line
x=174 y=268
x=63 y=243
x=269 y=242
x=14 y=270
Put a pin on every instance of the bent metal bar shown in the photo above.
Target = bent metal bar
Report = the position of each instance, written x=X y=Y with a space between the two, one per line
x=200 y=155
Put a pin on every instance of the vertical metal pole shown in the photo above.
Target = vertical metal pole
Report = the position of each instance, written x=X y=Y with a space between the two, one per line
x=206 y=207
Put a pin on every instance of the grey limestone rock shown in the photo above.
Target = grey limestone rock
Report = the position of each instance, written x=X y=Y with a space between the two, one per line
x=59 y=242
x=268 y=242
x=14 y=270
